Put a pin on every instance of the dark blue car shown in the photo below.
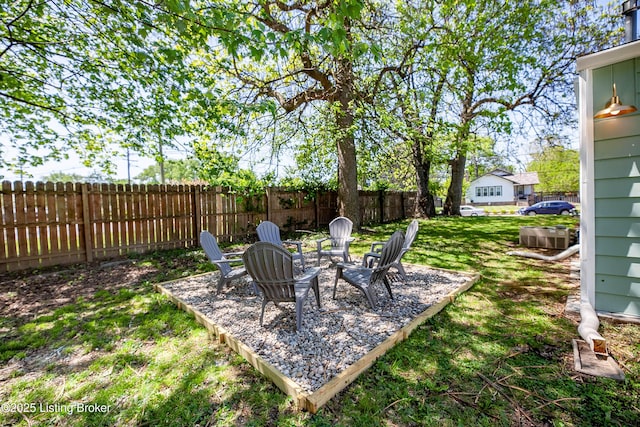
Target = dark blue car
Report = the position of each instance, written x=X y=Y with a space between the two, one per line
x=552 y=207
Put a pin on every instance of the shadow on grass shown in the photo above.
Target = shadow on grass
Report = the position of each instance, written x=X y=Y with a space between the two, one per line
x=498 y=355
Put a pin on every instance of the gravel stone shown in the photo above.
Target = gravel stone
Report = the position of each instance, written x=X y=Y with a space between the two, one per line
x=334 y=336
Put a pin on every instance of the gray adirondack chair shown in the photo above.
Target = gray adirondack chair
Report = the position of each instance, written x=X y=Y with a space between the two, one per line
x=370 y=258
x=269 y=232
x=366 y=279
x=339 y=240
x=271 y=268
x=215 y=255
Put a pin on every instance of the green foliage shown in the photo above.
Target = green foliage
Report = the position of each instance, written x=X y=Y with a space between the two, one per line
x=558 y=169
x=98 y=77
x=64 y=177
x=81 y=75
x=220 y=169
x=175 y=172
x=483 y=159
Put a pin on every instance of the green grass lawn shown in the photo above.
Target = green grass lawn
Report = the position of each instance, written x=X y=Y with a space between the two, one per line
x=500 y=355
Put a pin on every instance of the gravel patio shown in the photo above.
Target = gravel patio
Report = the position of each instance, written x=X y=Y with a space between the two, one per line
x=334 y=336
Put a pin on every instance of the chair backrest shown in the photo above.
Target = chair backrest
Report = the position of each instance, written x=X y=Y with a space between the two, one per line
x=210 y=246
x=269 y=232
x=389 y=254
x=340 y=230
x=410 y=235
x=271 y=268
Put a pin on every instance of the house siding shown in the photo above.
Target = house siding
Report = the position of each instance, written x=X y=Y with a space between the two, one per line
x=617 y=193
x=491 y=181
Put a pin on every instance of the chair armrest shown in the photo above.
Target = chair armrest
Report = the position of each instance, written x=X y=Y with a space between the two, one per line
x=228 y=261
x=347 y=265
x=308 y=275
x=320 y=241
x=377 y=246
x=232 y=254
x=294 y=242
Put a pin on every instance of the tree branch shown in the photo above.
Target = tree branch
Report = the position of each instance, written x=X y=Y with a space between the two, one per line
x=35 y=104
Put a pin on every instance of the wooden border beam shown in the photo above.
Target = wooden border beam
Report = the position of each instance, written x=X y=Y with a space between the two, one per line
x=314 y=401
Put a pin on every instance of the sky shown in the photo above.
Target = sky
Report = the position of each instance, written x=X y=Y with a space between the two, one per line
x=124 y=168
x=74 y=166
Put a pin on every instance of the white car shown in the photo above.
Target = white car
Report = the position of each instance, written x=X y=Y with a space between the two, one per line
x=468 y=210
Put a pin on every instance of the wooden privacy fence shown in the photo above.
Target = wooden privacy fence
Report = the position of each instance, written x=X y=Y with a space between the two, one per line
x=45 y=224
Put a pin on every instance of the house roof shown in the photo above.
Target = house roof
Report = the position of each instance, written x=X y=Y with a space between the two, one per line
x=525 y=178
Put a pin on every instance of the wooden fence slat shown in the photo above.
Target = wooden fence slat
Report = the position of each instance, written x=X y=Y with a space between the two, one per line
x=42 y=234
x=3 y=231
x=20 y=220
x=107 y=209
x=61 y=215
x=52 y=220
x=9 y=224
x=31 y=219
x=153 y=212
x=130 y=214
x=140 y=203
x=98 y=220
x=75 y=213
x=60 y=223
x=144 y=219
x=86 y=218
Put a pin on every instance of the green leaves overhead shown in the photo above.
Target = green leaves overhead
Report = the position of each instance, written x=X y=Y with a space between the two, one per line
x=421 y=77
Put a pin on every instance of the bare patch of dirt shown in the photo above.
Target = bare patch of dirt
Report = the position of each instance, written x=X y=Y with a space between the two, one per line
x=29 y=295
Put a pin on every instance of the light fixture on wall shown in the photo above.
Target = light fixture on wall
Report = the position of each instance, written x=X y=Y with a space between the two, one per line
x=614 y=107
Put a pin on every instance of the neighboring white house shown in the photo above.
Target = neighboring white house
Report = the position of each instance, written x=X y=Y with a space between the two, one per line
x=500 y=187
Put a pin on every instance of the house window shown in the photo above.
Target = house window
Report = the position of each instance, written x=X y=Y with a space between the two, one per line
x=489 y=191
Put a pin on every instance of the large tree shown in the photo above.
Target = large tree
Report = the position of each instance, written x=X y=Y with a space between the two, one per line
x=297 y=54
x=514 y=55
x=558 y=168
x=86 y=76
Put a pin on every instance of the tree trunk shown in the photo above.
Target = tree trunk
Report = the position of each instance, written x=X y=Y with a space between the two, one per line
x=425 y=203
x=348 y=198
x=454 y=192
x=459 y=163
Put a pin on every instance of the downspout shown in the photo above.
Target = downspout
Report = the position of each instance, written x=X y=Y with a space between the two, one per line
x=572 y=250
x=589 y=322
x=588 y=329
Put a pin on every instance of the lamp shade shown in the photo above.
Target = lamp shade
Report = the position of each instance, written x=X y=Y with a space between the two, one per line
x=614 y=107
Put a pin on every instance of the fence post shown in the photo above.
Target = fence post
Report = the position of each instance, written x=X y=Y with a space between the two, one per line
x=268 y=193
x=86 y=221
x=197 y=223
x=316 y=209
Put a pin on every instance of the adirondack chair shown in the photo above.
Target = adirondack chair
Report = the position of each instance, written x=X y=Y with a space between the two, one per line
x=366 y=279
x=271 y=268
x=370 y=258
x=227 y=273
x=269 y=232
x=339 y=239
